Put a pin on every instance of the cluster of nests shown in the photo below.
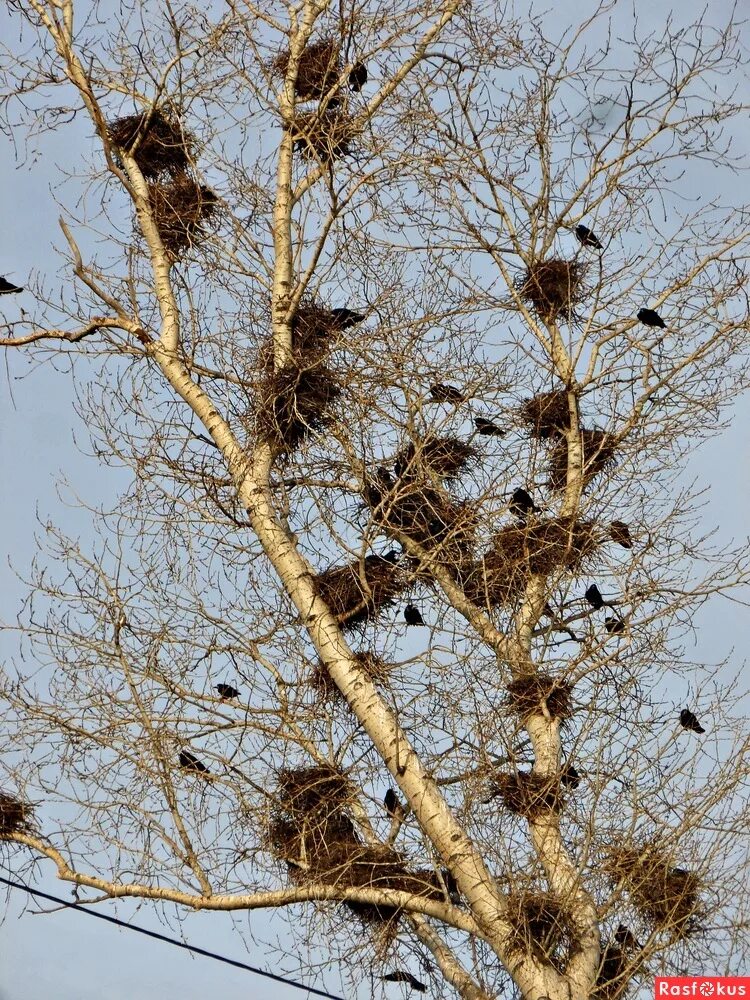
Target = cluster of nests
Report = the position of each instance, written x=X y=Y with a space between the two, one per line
x=182 y=208
x=312 y=831
x=327 y=133
x=15 y=816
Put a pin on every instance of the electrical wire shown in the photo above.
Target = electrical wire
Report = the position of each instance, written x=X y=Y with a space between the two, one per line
x=163 y=937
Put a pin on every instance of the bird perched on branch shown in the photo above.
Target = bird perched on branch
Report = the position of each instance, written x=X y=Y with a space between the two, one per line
x=594 y=597
x=412 y=615
x=226 y=691
x=346 y=317
x=586 y=238
x=689 y=721
x=7 y=289
x=442 y=393
x=487 y=427
x=357 y=77
x=619 y=532
x=570 y=777
x=521 y=503
x=615 y=626
x=392 y=804
x=650 y=317
x=190 y=762
x=625 y=938
x=404 y=977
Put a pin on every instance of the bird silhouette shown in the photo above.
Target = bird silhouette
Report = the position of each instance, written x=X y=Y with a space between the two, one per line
x=227 y=691
x=442 y=393
x=625 y=938
x=586 y=238
x=487 y=427
x=190 y=762
x=404 y=977
x=570 y=777
x=521 y=503
x=615 y=626
x=357 y=77
x=689 y=721
x=7 y=289
x=594 y=597
x=619 y=532
x=392 y=805
x=345 y=318
x=649 y=317
x=412 y=615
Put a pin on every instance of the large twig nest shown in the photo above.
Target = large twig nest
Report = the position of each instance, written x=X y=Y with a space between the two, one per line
x=541 y=927
x=527 y=794
x=599 y=449
x=553 y=287
x=15 y=816
x=318 y=69
x=324 y=136
x=359 y=590
x=664 y=895
x=445 y=457
x=533 y=693
x=375 y=667
x=161 y=146
x=295 y=401
x=181 y=210
x=547 y=414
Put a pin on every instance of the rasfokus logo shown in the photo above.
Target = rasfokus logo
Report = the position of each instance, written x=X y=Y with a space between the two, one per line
x=702 y=986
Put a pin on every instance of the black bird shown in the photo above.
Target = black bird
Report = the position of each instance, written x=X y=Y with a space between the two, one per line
x=570 y=777
x=485 y=426
x=615 y=626
x=586 y=238
x=619 y=532
x=521 y=503
x=594 y=597
x=650 y=317
x=392 y=556
x=404 y=977
x=7 y=289
x=346 y=317
x=412 y=615
x=227 y=691
x=190 y=762
x=689 y=721
x=442 y=393
x=392 y=805
x=357 y=77
x=625 y=938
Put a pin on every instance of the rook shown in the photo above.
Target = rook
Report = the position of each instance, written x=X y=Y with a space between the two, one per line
x=412 y=615
x=594 y=597
x=570 y=777
x=190 y=762
x=521 y=503
x=442 y=393
x=487 y=427
x=649 y=317
x=7 y=289
x=586 y=238
x=357 y=77
x=689 y=721
x=619 y=532
x=346 y=317
x=404 y=977
x=615 y=626
x=227 y=691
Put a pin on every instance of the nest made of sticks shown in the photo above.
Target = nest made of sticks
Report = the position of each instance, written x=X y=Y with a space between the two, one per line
x=295 y=401
x=599 y=449
x=163 y=145
x=181 y=209
x=324 y=136
x=307 y=789
x=355 y=592
x=530 y=694
x=664 y=895
x=547 y=414
x=553 y=287
x=374 y=666
x=527 y=794
x=445 y=457
x=15 y=815
x=318 y=69
x=541 y=926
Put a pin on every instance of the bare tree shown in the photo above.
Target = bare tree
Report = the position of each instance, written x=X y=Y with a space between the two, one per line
x=404 y=322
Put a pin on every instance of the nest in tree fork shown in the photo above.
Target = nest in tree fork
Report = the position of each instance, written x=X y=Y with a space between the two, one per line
x=548 y=414
x=445 y=457
x=15 y=815
x=664 y=895
x=293 y=401
x=181 y=210
x=374 y=666
x=318 y=69
x=527 y=794
x=553 y=287
x=357 y=591
x=541 y=927
x=598 y=449
x=530 y=694
x=324 y=136
x=163 y=146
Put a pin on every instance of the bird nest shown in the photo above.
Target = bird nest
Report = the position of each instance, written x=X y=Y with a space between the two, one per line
x=305 y=790
x=527 y=794
x=547 y=414
x=181 y=210
x=358 y=591
x=15 y=815
x=599 y=449
x=664 y=895
x=445 y=457
x=318 y=69
x=541 y=926
x=312 y=329
x=324 y=136
x=531 y=694
x=295 y=401
x=553 y=287
x=159 y=144
x=375 y=667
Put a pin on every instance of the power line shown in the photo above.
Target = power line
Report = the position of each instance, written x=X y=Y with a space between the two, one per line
x=163 y=937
